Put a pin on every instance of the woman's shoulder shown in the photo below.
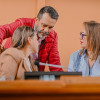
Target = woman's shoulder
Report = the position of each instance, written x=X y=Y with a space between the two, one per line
x=76 y=52
x=12 y=52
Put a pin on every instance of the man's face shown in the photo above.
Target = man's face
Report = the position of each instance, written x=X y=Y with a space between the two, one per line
x=44 y=25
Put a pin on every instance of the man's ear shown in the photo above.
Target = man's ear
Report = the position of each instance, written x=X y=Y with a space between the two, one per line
x=36 y=19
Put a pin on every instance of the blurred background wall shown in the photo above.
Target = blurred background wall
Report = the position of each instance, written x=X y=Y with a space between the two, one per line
x=72 y=14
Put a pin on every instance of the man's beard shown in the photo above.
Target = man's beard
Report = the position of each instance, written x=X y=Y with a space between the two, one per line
x=39 y=33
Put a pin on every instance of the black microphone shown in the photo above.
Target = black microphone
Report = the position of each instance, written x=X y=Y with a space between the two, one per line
x=50 y=65
x=36 y=62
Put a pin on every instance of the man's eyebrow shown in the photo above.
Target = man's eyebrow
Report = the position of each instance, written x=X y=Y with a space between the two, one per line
x=51 y=26
x=44 y=24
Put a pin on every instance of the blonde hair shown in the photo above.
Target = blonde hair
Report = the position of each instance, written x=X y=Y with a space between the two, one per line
x=92 y=29
x=20 y=36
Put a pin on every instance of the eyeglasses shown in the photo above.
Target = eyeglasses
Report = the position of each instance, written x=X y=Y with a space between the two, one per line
x=82 y=34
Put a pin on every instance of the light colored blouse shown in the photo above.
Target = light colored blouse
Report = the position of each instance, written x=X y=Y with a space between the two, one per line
x=79 y=63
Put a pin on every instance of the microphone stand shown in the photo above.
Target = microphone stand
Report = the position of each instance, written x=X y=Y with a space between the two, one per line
x=50 y=65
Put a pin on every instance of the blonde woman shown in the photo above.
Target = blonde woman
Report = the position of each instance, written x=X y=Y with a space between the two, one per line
x=87 y=59
x=16 y=60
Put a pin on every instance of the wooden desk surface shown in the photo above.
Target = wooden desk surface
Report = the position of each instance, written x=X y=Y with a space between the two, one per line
x=77 y=88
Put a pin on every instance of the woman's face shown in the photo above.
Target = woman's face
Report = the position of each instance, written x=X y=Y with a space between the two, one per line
x=83 y=39
x=34 y=43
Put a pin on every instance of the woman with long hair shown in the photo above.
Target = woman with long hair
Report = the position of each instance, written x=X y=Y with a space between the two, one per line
x=87 y=59
x=16 y=60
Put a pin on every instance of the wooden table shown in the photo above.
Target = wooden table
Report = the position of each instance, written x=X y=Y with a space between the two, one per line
x=67 y=88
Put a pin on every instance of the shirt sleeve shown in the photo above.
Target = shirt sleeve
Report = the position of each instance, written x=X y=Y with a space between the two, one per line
x=71 y=64
x=54 y=56
x=8 y=29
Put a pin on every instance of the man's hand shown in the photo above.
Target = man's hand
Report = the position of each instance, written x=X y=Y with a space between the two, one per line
x=1 y=49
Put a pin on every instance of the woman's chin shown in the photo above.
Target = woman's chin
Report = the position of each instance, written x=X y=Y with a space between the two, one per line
x=83 y=47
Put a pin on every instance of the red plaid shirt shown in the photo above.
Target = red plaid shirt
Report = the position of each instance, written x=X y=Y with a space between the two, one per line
x=48 y=51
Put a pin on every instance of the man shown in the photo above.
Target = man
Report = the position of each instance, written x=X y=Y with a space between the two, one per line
x=47 y=37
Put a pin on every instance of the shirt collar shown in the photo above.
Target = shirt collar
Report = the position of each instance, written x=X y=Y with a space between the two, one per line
x=84 y=51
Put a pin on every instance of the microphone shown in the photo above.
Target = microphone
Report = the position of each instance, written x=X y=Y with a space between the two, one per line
x=50 y=65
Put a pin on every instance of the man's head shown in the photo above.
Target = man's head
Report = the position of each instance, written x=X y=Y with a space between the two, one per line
x=46 y=19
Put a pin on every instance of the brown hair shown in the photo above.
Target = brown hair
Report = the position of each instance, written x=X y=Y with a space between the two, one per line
x=20 y=36
x=92 y=29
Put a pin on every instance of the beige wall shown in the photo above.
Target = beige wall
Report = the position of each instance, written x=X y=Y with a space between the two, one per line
x=72 y=14
x=13 y=9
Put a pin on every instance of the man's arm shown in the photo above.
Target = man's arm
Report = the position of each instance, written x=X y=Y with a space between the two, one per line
x=8 y=29
x=54 y=56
